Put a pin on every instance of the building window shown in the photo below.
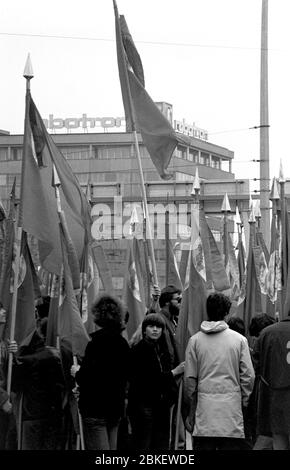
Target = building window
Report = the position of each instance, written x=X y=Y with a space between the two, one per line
x=215 y=162
x=16 y=153
x=193 y=155
x=204 y=158
x=180 y=152
x=76 y=153
x=104 y=153
x=183 y=176
x=3 y=180
x=3 y=154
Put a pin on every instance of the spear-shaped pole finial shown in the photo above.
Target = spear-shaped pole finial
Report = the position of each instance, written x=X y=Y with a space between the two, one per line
x=28 y=72
x=237 y=216
x=56 y=184
x=196 y=185
x=281 y=173
x=274 y=194
x=226 y=204
x=134 y=220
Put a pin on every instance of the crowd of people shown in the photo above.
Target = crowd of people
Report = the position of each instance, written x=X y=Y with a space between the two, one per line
x=127 y=394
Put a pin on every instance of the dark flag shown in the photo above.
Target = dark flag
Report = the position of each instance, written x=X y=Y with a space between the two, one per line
x=140 y=110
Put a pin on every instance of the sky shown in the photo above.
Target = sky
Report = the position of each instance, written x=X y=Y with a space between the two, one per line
x=202 y=56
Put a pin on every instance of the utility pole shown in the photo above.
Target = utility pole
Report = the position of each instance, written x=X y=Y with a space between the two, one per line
x=264 y=130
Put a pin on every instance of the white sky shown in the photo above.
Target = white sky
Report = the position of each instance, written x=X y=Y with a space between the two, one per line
x=208 y=66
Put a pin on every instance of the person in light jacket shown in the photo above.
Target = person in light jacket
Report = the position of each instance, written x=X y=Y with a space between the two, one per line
x=220 y=375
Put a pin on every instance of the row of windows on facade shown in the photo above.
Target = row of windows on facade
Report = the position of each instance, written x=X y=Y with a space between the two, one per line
x=103 y=153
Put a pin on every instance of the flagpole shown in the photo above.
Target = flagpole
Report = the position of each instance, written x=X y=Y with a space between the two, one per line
x=167 y=244
x=136 y=144
x=56 y=184
x=28 y=74
x=283 y=232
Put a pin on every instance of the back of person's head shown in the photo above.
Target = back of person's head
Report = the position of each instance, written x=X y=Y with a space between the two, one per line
x=259 y=322
x=167 y=294
x=153 y=319
x=237 y=324
x=217 y=306
x=108 y=313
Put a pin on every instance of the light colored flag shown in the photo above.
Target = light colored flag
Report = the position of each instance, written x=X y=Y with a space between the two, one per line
x=134 y=293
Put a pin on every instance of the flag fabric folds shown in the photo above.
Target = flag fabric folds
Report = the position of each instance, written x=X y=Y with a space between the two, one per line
x=141 y=112
x=193 y=305
x=134 y=294
x=27 y=292
x=71 y=330
x=38 y=210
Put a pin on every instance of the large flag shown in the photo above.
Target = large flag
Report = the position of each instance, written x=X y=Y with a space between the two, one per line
x=89 y=287
x=99 y=258
x=251 y=304
x=216 y=275
x=274 y=268
x=140 y=110
x=134 y=294
x=38 y=210
x=28 y=292
x=193 y=305
x=71 y=330
x=172 y=275
x=286 y=259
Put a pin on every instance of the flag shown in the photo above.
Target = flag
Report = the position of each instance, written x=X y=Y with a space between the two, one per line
x=251 y=304
x=28 y=292
x=172 y=273
x=89 y=288
x=38 y=210
x=7 y=251
x=134 y=294
x=71 y=330
x=101 y=262
x=286 y=260
x=140 y=110
x=232 y=269
x=52 y=320
x=193 y=304
x=216 y=276
x=2 y=212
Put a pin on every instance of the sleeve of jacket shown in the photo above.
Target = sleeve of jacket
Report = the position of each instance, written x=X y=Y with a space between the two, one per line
x=247 y=374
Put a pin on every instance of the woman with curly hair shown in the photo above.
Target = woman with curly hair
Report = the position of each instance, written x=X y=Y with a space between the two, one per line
x=102 y=376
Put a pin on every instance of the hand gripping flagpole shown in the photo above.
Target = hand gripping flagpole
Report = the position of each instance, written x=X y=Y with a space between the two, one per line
x=56 y=184
x=136 y=143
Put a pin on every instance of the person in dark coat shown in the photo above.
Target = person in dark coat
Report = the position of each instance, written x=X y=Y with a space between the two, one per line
x=272 y=359
x=152 y=388
x=170 y=301
x=102 y=376
x=257 y=324
x=38 y=377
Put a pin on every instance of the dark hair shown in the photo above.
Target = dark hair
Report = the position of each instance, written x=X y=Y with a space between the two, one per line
x=237 y=324
x=108 y=312
x=153 y=319
x=167 y=294
x=217 y=306
x=259 y=322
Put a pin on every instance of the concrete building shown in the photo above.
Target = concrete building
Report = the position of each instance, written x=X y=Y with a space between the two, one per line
x=106 y=161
